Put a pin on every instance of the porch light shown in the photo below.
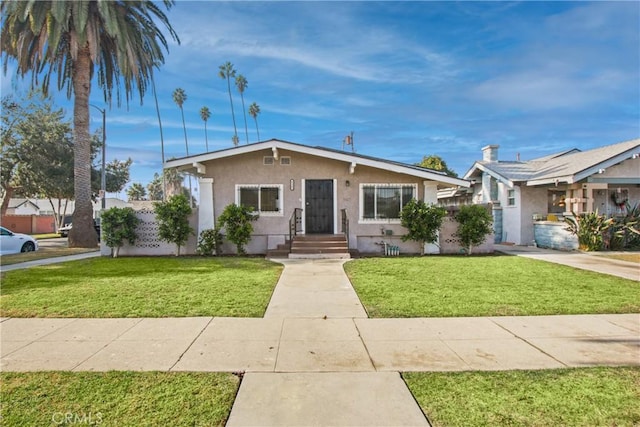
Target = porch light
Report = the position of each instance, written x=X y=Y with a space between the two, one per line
x=292 y=184
x=347 y=183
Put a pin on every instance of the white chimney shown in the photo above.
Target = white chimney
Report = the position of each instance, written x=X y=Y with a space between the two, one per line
x=490 y=153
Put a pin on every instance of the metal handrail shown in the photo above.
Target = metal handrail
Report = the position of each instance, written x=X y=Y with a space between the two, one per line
x=345 y=225
x=295 y=225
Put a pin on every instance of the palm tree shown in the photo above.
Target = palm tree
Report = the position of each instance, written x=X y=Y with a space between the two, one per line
x=241 y=84
x=73 y=41
x=226 y=72
x=136 y=192
x=205 y=114
x=254 y=110
x=179 y=97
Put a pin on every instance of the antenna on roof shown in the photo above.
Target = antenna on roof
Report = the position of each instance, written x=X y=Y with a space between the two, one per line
x=348 y=140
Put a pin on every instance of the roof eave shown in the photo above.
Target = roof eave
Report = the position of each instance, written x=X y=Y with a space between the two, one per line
x=186 y=163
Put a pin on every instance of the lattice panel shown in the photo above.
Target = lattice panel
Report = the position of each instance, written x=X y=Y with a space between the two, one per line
x=147 y=230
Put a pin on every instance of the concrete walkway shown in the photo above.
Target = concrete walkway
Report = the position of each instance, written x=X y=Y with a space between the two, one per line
x=48 y=261
x=583 y=260
x=315 y=358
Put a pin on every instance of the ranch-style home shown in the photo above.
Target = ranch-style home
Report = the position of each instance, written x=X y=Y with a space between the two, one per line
x=531 y=198
x=307 y=193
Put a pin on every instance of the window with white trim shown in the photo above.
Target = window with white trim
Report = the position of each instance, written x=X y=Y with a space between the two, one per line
x=263 y=198
x=511 y=197
x=384 y=202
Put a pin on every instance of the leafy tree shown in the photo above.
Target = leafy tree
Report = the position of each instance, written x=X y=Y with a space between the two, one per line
x=254 y=110
x=474 y=225
x=241 y=84
x=422 y=222
x=205 y=113
x=154 y=188
x=136 y=192
x=75 y=41
x=226 y=71
x=236 y=220
x=436 y=163
x=173 y=220
x=118 y=225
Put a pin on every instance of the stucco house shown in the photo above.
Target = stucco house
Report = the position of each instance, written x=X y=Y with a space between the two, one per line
x=531 y=198
x=311 y=191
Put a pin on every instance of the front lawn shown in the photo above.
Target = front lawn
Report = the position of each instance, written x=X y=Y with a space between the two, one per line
x=141 y=287
x=500 y=285
x=563 y=397
x=117 y=398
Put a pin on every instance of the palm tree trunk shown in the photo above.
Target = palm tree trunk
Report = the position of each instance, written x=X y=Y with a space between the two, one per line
x=206 y=137
x=83 y=234
x=233 y=114
x=164 y=182
x=184 y=126
x=257 y=131
x=246 y=130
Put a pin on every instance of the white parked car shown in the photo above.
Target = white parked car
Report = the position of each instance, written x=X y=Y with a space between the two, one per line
x=14 y=243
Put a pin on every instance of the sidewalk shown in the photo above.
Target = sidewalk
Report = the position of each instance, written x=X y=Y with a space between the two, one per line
x=315 y=358
x=48 y=261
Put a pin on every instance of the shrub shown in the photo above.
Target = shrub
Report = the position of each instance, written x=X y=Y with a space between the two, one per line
x=173 y=220
x=589 y=228
x=210 y=242
x=236 y=220
x=474 y=225
x=625 y=232
x=118 y=225
x=422 y=222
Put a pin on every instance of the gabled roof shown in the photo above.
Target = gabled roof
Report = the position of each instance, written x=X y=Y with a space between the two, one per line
x=352 y=159
x=17 y=202
x=567 y=167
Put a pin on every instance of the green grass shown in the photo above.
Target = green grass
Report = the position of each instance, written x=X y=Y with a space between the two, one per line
x=565 y=397
x=141 y=287
x=42 y=253
x=449 y=286
x=117 y=398
x=44 y=236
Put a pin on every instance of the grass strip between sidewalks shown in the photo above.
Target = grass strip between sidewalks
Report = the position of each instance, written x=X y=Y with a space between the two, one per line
x=117 y=398
x=562 y=397
x=141 y=287
x=498 y=285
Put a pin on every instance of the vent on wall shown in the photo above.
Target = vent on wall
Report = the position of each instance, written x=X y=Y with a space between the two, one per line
x=285 y=160
x=268 y=160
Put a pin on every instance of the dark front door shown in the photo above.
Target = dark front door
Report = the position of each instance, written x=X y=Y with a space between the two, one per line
x=319 y=206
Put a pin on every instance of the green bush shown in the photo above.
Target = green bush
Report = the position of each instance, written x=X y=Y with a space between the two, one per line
x=236 y=220
x=118 y=225
x=173 y=220
x=625 y=232
x=589 y=228
x=210 y=242
x=474 y=225
x=422 y=222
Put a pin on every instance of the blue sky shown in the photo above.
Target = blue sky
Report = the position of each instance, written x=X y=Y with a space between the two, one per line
x=408 y=78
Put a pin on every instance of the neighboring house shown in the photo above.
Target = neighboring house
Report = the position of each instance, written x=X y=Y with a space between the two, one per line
x=324 y=188
x=541 y=192
x=22 y=207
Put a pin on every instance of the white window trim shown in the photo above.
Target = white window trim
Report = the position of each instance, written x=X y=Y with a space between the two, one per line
x=362 y=220
x=268 y=161
x=514 y=198
x=282 y=161
x=280 y=188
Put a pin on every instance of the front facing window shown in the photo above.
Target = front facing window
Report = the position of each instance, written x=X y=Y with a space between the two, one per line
x=264 y=199
x=385 y=201
x=511 y=197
